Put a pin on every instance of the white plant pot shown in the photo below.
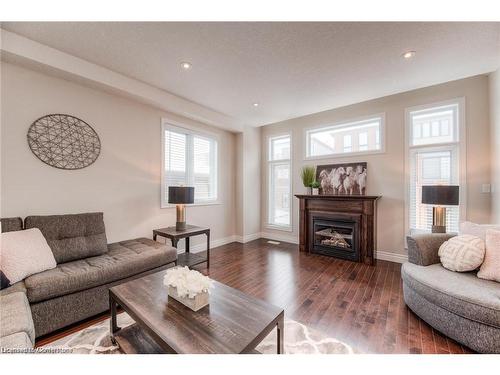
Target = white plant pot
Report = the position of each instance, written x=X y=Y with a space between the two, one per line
x=199 y=301
x=315 y=191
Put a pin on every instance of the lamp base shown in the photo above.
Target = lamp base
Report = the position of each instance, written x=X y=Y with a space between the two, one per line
x=438 y=219
x=180 y=225
x=438 y=229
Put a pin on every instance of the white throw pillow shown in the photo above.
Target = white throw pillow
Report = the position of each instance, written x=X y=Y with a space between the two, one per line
x=478 y=230
x=462 y=253
x=24 y=253
x=490 y=269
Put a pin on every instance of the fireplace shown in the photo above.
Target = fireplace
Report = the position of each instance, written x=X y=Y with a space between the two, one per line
x=339 y=226
x=336 y=238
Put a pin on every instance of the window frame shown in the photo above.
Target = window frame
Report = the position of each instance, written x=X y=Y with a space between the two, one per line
x=345 y=123
x=169 y=124
x=270 y=163
x=460 y=141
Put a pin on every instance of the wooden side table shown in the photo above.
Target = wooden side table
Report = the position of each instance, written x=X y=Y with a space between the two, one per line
x=174 y=235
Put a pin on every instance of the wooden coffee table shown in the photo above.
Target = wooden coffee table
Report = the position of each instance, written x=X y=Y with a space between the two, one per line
x=233 y=322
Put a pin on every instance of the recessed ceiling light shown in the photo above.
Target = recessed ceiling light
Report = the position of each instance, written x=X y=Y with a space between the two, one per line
x=409 y=54
x=255 y=104
x=186 y=65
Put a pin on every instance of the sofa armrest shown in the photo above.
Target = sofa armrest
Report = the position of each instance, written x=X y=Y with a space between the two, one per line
x=423 y=248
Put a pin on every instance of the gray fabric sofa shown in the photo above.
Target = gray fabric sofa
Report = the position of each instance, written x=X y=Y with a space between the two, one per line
x=78 y=287
x=460 y=305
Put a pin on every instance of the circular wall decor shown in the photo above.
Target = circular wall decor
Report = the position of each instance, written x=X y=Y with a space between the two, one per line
x=64 y=141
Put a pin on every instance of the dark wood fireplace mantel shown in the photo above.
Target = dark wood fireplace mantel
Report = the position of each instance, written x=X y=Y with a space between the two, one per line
x=357 y=213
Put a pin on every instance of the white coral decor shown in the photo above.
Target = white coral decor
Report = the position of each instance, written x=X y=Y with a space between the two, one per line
x=188 y=282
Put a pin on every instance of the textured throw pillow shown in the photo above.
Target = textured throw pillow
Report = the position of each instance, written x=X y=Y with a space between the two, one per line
x=478 y=230
x=24 y=253
x=490 y=269
x=462 y=253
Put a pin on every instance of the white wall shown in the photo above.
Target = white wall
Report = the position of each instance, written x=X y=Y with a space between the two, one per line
x=248 y=185
x=124 y=182
x=494 y=85
x=386 y=171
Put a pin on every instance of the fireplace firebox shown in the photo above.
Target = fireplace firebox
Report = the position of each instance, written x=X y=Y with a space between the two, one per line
x=339 y=226
x=336 y=238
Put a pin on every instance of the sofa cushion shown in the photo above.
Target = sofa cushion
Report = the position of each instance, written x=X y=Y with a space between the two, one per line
x=462 y=253
x=18 y=340
x=490 y=269
x=478 y=230
x=122 y=260
x=24 y=253
x=17 y=287
x=460 y=293
x=11 y=224
x=72 y=237
x=15 y=315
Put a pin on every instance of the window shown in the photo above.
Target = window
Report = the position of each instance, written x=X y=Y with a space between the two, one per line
x=279 y=182
x=434 y=125
x=434 y=159
x=353 y=137
x=189 y=159
x=363 y=141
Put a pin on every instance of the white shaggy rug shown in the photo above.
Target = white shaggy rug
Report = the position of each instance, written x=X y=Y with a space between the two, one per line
x=299 y=339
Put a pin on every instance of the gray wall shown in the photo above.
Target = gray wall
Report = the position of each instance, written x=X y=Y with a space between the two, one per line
x=494 y=85
x=124 y=182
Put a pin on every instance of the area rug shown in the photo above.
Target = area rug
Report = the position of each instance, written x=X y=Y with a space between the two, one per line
x=299 y=339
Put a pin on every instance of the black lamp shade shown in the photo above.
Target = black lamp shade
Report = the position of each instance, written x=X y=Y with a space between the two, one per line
x=180 y=194
x=440 y=195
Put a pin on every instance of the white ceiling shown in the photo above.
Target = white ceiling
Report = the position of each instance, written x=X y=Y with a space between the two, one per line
x=291 y=69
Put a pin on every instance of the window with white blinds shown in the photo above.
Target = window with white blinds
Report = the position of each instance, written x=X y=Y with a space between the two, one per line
x=189 y=159
x=434 y=159
x=279 y=194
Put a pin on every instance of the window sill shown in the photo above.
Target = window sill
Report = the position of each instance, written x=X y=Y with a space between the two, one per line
x=279 y=227
x=215 y=203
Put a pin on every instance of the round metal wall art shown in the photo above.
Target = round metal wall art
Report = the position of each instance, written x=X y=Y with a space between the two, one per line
x=64 y=141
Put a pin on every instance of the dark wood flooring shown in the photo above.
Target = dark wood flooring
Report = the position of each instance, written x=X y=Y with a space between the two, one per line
x=357 y=304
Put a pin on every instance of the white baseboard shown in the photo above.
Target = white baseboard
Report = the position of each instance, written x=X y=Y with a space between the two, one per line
x=382 y=255
x=203 y=245
x=248 y=237
x=280 y=237
x=391 y=257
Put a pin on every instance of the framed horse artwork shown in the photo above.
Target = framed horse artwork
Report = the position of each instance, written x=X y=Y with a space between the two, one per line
x=342 y=179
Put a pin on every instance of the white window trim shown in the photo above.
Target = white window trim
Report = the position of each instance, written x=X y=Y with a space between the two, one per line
x=268 y=225
x=343 y=123
x=462 y=155
x=167 y=123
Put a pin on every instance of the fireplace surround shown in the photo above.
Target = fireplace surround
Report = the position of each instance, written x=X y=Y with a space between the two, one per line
x=339 y=226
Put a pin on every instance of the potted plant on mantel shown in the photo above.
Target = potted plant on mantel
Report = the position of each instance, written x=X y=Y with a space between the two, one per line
x=308 y=175
x=315 y=188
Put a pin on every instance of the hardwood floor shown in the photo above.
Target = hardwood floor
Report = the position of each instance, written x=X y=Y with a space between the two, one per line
x=357 y=304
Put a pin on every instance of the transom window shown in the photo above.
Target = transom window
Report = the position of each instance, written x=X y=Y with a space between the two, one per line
x=279 y=182
x=350 y=137
x=189 y=159
x=434 y=125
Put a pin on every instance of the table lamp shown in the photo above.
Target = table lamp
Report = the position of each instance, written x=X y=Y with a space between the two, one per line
x=180 y=196
x=439 y=196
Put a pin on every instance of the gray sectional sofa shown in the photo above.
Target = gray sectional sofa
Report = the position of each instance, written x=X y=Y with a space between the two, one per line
x=460 y=305
x=78 y=287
